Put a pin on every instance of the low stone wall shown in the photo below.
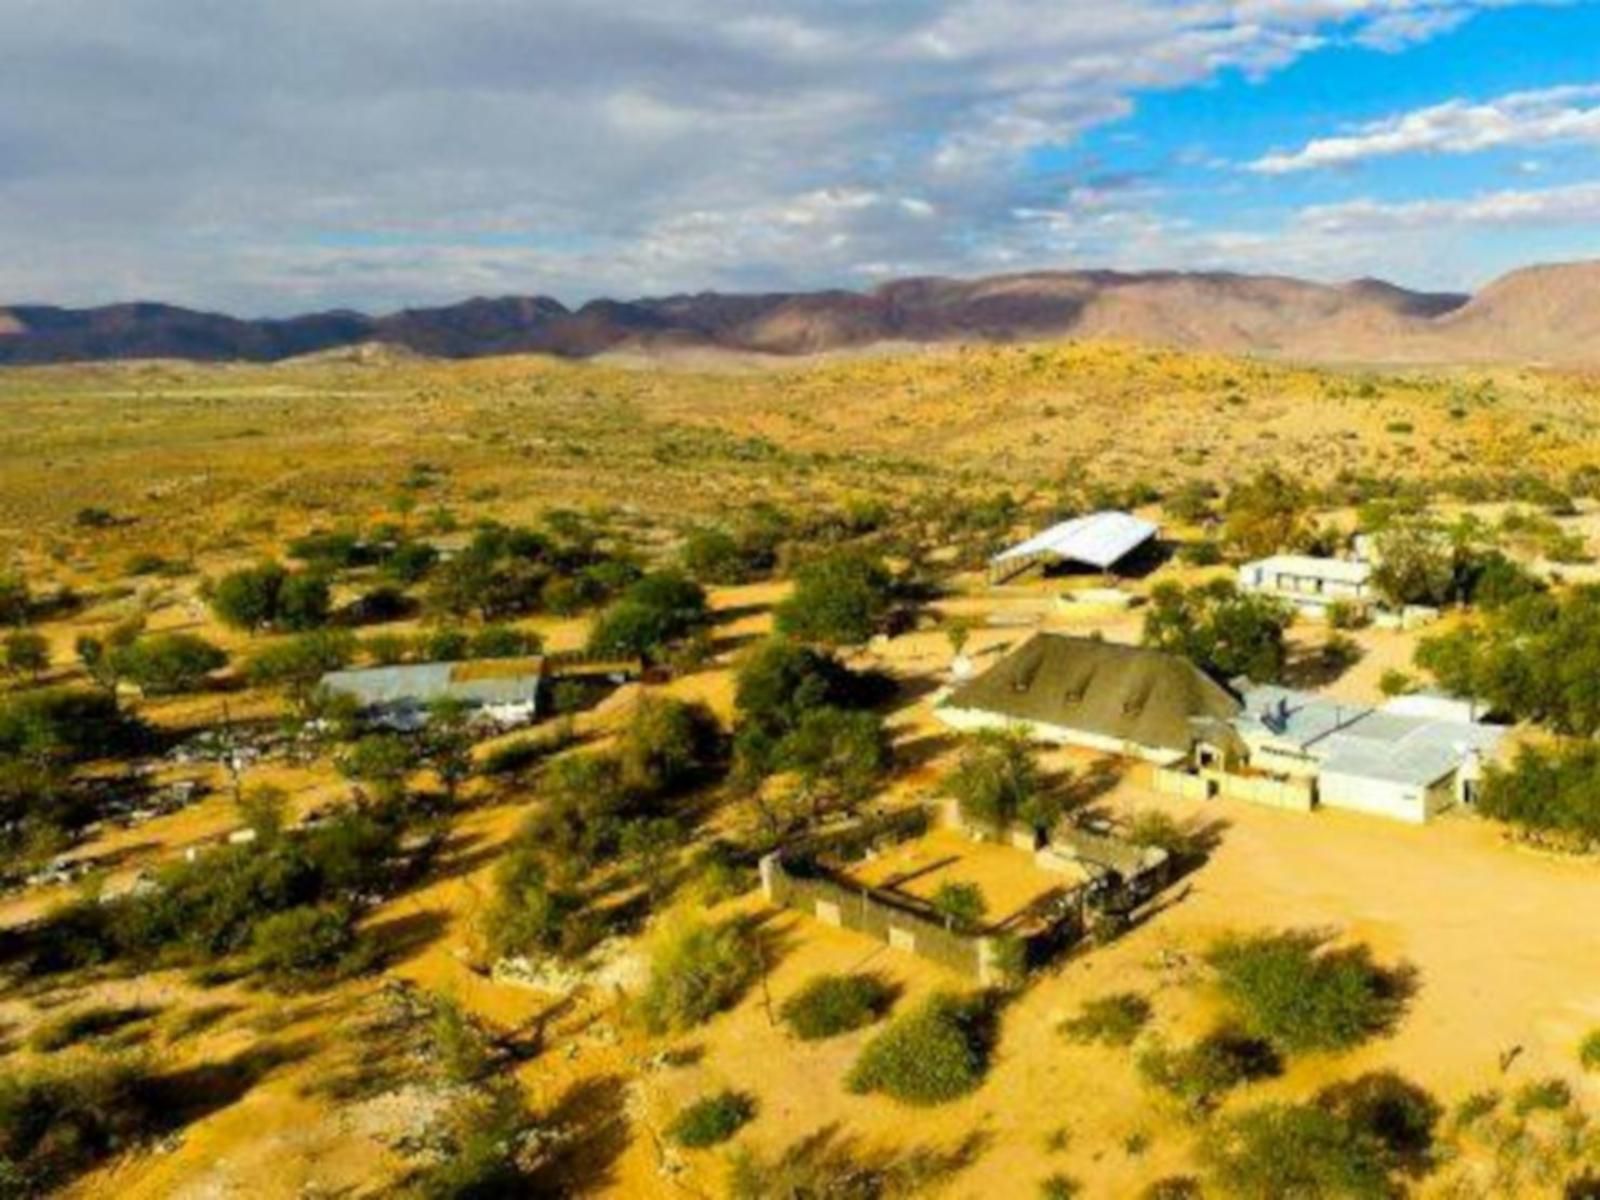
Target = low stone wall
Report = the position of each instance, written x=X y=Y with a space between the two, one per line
x=880 y=915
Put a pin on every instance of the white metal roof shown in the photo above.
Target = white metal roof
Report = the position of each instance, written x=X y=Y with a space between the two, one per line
x=1355 y=740
x=1341 y=570
x=1099 y=539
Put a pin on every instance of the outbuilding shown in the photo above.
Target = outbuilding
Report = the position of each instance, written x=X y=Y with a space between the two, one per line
x=1099 y=540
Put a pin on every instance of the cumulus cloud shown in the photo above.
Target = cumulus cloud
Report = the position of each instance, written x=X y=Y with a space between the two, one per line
x=270 y=157
x=1549 y=116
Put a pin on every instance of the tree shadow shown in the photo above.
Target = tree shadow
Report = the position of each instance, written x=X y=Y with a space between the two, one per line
x=594 y=1114
x=400 y=939
x=917 y=752
x=831 y=1162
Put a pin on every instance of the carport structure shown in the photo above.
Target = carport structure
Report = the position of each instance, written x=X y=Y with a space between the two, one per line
x=1100 y=540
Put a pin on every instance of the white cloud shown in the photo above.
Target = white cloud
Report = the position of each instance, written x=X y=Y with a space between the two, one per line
x=267 y=157
x=1561 y=115
x=1574 y=204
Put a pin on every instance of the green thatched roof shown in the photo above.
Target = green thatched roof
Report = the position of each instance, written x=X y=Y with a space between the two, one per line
x=1129 y=693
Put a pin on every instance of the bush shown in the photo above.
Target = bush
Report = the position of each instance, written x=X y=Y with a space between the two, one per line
x=1219 y=628
x=830 y=1005
x=1287 y=989
x=1352 y=1141
x=305 y=943
x=1589 y=1051
x=696 y=971
x=530 y=915
x=1114 y=1020
x=1199 y=1076
x=1058 y=1187
x=652 y=614
x=61 y=1117
x=1550 y=1094
x=25 y=652
x=712 y=1120
x=1395 y=682
x=997 y=782
x=666 y=745
x=840 y=599
x=961 y=905
x=505 y=641
x=1298 y=1150
x=169 y=663
x=254 y=598
x=933 y=1054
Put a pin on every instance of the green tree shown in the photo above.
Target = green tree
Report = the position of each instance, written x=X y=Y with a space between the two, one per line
x=1417 y=563
x=167 y=664
x=1220 y=629
x=839 y=599
x=382 y=761
x=16 y=599
x=839 y=757
x=26 y=653
x=666 y=744
x=996 y=782
x=961 y=905
x=1264 y=515
x=448 y=743
x=248 y=598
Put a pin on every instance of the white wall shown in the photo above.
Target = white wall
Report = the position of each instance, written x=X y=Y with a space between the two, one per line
x=970 y=719
x=1411 y=803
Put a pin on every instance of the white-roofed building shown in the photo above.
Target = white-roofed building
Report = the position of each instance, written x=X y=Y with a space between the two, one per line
x=1100 y=540
x=1388 y=762
x=1310 y=584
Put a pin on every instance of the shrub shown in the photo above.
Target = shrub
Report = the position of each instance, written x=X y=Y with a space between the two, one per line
x=25 y=652
x=303 y=943
x=1541 y=1095
x=1286 y=988
x=1058 y=1187
x=1221 y=629
x=696 y=970
x=1352 y=1141
x=1342 y=614
x=996 y=782
x=169 y=663
x=961 y=905
x=505 y=641
x=530 y=914
x=1395 y=682
x=1199 y=1076
x=933 y=1054
x=712 y=1120
x=1589 y=1051
x=840 y=599
x=1114 y=1020
x=666 y=744
x=62 y=1116
x=653 y=613
x=1298 y=1150
x=1173 y=1187
x=830 y=1005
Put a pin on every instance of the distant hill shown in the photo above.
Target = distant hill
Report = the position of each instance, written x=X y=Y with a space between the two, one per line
x=1549 y=313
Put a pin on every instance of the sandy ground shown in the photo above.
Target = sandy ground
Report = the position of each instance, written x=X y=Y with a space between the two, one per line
x=1503 y=941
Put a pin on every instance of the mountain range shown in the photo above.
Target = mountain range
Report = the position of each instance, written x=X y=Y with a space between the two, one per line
x=1545 y=314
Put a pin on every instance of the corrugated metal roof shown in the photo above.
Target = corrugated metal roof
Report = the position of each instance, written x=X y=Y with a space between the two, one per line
x=1100 y=539
x=419 y=683
x=1353 y=740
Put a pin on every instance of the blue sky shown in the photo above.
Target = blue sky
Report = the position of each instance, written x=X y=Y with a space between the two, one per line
x=374 y=153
